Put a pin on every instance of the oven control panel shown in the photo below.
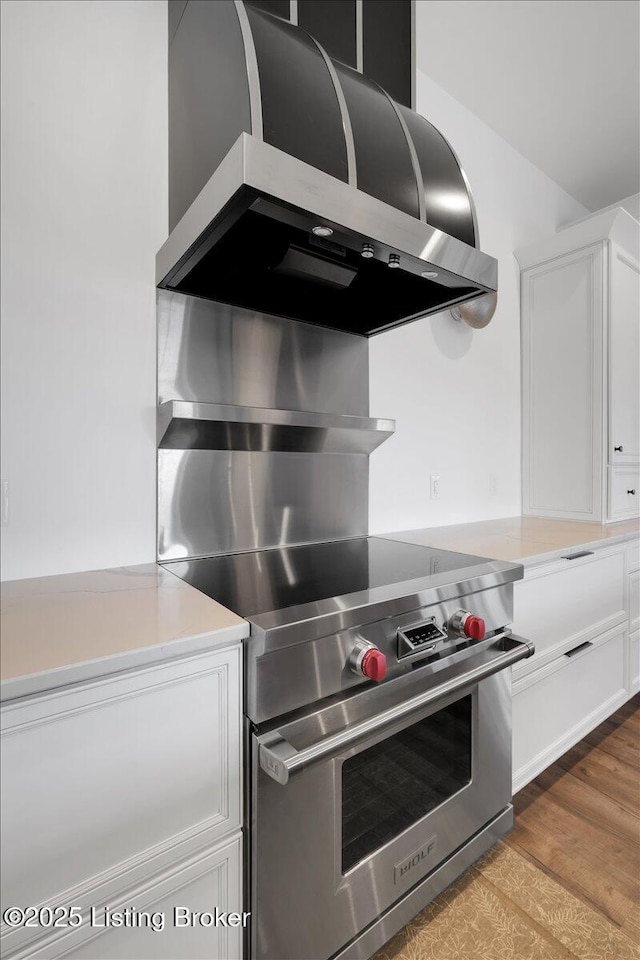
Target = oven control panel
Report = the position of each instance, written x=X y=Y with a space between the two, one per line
x=426 y=637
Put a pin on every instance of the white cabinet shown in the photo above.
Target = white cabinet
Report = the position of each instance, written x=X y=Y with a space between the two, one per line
x=581 y=614
x=580 y=371
x=624 y=357
x=126 y=791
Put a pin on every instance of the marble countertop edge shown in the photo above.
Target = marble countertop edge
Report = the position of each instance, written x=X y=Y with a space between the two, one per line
x=52 y=679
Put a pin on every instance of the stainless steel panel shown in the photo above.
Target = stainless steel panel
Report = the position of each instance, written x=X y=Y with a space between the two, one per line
x=327 y=616
x=176 y=9
x=401 y=913
x=253 y=78
x=284 y=673
x=298 y=745
x=299 y=593
x=300 y=110
x=443 y=183
x=274 y=173
x=184 y=425
x=210 y=98
x=308 y=605
x=344 y=113
x=301 y=578
x=414 y=158
x=220 y=502
x=300 y=824
x=384 y=165
x=212 y=352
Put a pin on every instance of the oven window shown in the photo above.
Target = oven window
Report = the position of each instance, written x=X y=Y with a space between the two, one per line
x=390 y=786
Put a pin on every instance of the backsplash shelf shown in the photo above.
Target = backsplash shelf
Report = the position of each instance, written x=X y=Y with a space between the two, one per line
x=186 y=425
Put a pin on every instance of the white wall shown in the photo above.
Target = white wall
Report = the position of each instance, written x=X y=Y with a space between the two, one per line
x=84 y=152
x=455 y=392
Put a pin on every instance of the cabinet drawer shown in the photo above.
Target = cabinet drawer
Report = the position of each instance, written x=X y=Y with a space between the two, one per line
x=212 y=881
x=558 y=705
x=566 y=602
x=99 y=777
x=624 y=492
x=158 y=928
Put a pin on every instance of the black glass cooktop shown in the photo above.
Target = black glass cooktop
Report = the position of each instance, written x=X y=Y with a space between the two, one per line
x=269 y=580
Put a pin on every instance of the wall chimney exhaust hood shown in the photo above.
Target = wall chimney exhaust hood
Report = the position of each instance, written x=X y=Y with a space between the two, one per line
x=299 y=188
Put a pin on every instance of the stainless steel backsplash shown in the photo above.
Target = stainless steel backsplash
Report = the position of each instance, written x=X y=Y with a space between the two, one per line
x=221 y=354
x=221 y=501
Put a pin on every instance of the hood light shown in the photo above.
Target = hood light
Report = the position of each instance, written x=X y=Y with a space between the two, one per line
x=367 y=250
x=394 y=260
x=429 y=274
x=322 y=231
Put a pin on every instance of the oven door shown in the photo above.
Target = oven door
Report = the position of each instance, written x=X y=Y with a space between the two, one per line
x=354 y=804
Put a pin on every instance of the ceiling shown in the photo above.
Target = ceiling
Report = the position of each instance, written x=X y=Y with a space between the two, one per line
x=558 y=79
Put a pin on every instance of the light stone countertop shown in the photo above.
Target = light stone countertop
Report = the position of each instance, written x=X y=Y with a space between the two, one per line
x=79 y=626
x=526 y=540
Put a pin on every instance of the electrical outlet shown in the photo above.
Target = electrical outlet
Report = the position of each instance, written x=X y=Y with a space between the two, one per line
x=435 y=486
x=493 y=485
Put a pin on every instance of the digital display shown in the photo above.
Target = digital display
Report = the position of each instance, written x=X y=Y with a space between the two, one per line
x=426 y=633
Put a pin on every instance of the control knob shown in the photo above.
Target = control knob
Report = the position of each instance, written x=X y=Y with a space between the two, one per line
x=367 y=661
x=465 y=624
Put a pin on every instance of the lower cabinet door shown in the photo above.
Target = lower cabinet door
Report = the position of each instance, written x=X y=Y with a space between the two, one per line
x=559 y=704
x=193 y=912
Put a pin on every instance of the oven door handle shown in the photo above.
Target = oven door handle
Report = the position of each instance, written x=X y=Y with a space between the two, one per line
x=280 y=759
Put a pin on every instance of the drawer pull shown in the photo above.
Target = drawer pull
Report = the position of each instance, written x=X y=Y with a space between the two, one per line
x=618 y=449
x=579 y=649
x=576 y=556
x=632 y=492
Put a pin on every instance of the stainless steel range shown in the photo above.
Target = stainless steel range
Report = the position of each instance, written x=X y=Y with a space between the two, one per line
x=378 y=731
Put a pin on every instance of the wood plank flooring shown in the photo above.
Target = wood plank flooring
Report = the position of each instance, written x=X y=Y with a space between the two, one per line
x=565 y=883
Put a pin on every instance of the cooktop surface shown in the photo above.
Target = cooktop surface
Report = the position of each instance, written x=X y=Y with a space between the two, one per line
x=268 y=580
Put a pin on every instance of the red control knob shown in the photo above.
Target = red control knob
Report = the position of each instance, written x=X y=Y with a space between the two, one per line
x=374 y=665
x=474 y=628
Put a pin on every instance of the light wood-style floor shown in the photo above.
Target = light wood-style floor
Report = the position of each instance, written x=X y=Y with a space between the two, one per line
x=566 y=882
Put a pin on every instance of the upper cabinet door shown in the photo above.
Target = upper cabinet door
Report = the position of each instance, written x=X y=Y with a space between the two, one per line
x=624 y=354
x=562 y=322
